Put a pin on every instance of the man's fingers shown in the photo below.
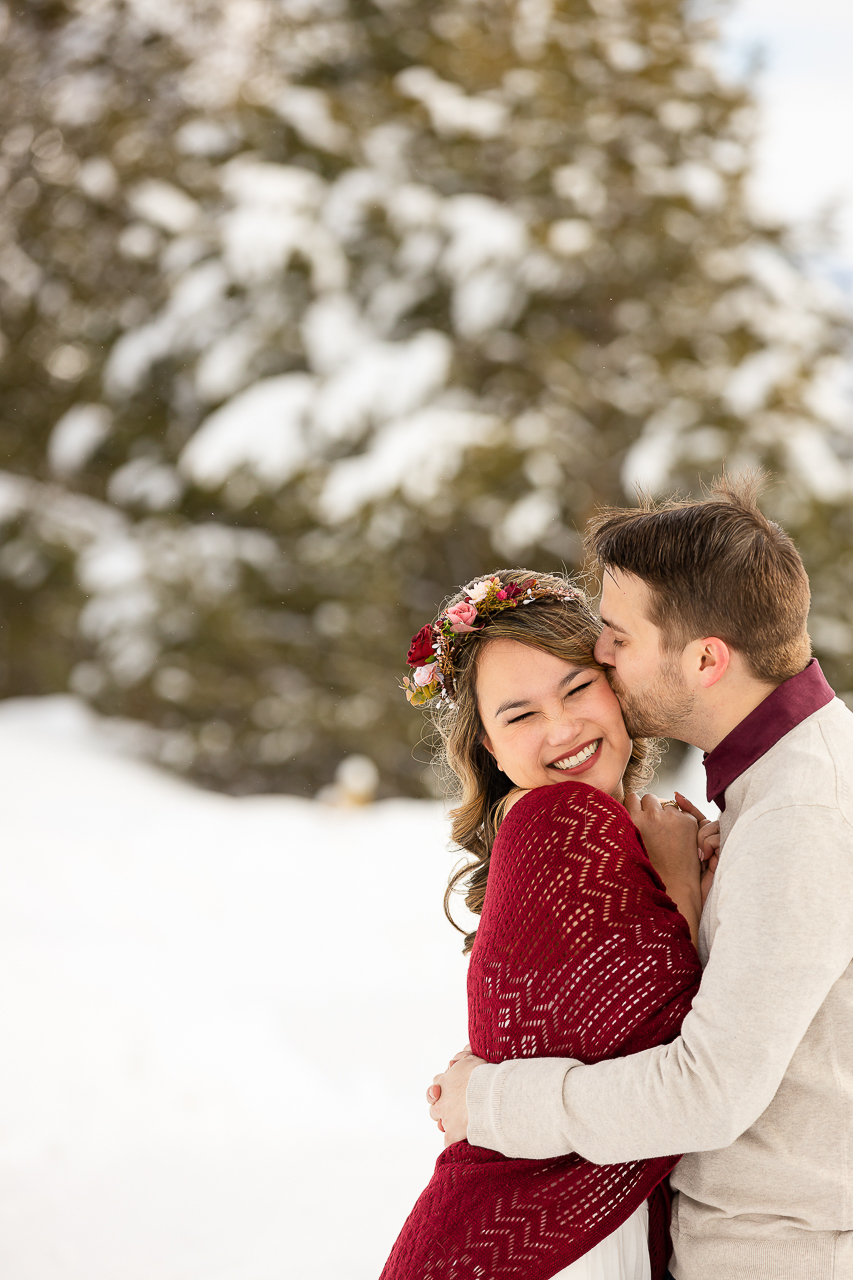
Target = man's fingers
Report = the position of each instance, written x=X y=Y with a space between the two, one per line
x=686 y=806
x=707 y=882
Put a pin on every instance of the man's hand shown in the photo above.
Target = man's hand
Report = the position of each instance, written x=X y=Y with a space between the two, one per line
x=433 y=1093
x=706 y=884
x=446 y=1096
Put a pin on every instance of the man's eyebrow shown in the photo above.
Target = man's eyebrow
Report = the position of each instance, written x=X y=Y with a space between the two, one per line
x=614 y=626
x=525 y=702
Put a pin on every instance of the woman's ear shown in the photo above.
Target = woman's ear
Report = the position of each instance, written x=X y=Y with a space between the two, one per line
x=490 y=749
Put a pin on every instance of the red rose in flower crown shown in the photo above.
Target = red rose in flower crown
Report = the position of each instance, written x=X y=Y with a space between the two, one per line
x=432 y=649
x=422 y=646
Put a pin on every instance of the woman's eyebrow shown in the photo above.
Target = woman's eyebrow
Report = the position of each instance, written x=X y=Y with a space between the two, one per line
x=510 y=706
x=525 y=702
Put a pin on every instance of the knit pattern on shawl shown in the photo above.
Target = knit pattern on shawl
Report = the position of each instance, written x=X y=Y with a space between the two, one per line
x=579 y=954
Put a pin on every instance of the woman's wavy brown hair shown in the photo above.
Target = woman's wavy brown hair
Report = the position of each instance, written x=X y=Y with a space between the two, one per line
x=566 y=628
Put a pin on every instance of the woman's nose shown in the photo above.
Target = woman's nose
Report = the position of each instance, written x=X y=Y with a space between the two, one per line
x=564 y=723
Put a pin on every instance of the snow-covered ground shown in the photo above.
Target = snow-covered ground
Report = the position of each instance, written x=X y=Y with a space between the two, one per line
x=219 y=1018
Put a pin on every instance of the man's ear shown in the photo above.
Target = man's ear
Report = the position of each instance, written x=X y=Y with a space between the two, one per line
x=709 y=660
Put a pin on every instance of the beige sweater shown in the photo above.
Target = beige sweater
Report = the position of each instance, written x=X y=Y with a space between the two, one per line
x=758 y=1089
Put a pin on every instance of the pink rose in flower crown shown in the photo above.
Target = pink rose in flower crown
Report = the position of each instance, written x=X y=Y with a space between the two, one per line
x=461 y=617
x=425 y=675
x=422 y=646
x=515 y=589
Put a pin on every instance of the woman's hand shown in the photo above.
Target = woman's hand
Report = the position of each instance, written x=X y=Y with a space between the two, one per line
x=708 y=837
x=670 y=835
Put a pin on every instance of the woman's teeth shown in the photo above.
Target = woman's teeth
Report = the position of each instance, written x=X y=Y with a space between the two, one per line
x=573 y=761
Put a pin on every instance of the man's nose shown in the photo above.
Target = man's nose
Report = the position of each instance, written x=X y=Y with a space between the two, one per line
x=604 y=653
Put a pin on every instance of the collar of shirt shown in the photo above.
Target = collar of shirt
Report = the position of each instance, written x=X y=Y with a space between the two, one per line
x=780 y=712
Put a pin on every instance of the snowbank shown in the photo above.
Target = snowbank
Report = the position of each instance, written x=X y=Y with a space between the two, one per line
x=219 y=1016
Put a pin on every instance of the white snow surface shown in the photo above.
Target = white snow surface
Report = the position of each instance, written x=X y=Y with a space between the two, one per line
x=413 y=454
x=220 y=1017
x=383 y=380
x=165 y=205
x=450 y=109
x=76 y=436
x=261 y=429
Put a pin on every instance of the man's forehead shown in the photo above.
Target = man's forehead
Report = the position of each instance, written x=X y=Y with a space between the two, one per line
x=624 y=598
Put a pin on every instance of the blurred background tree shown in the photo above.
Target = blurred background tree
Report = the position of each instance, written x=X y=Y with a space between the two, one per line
x=312 y=309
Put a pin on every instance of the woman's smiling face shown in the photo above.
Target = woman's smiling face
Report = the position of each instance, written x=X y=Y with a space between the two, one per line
x=547 y=720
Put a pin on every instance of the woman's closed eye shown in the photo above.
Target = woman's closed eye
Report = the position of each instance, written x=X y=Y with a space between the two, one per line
x=570 y=693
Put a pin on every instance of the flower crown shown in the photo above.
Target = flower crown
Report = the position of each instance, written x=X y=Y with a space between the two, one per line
x=431 y=652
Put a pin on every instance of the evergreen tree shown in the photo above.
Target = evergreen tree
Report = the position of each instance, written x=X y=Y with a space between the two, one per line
x=314 y=308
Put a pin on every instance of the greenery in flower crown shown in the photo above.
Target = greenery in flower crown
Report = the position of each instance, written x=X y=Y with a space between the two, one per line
x=432 y=648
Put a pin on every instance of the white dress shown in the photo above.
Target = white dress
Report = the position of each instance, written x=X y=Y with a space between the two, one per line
x=623 y=1255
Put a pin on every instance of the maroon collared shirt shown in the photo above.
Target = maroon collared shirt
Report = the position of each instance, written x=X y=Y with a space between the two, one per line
x=780 y=712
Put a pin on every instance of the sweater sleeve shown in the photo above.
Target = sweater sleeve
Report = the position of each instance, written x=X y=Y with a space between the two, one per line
x=784 y=936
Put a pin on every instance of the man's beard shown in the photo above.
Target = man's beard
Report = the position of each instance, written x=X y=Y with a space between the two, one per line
x=661 y=710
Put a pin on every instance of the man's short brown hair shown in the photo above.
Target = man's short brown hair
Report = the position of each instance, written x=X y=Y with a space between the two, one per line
x=716 y=567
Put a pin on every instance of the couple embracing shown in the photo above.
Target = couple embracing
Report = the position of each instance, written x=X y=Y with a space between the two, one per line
x=660 y=1010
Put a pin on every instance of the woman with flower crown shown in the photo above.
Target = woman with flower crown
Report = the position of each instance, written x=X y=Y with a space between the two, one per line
x=579 y=953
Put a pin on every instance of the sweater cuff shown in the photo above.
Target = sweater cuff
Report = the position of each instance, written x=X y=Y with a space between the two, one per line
x=516 y=1107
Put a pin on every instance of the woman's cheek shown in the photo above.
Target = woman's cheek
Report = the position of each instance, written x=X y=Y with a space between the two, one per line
x=514 y=756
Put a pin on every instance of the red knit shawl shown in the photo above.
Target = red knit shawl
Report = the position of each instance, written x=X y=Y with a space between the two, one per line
x=579 y=954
